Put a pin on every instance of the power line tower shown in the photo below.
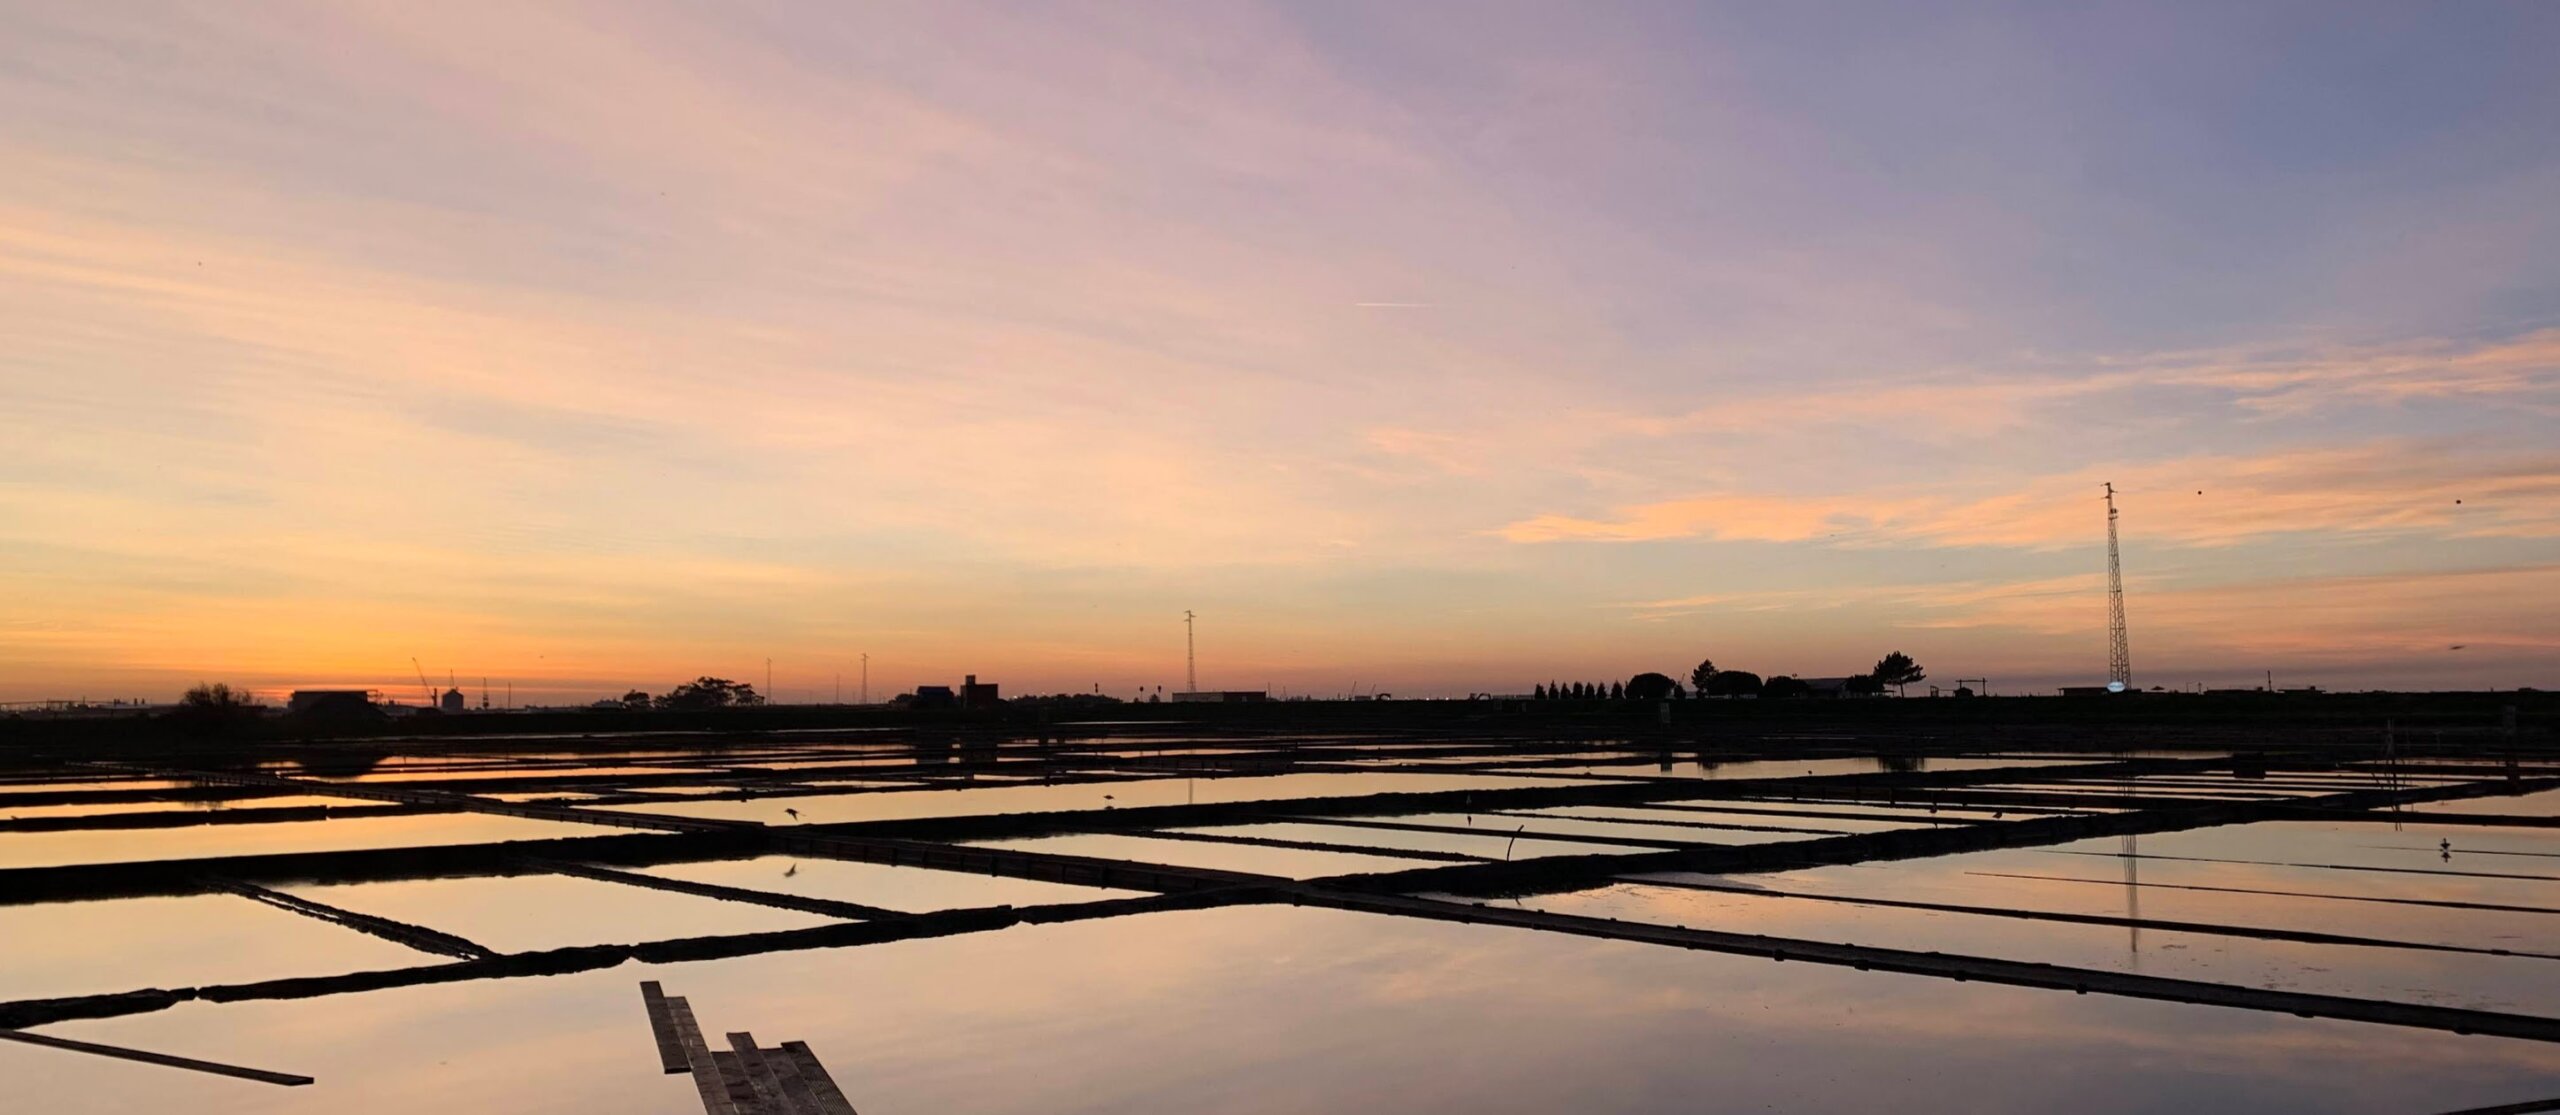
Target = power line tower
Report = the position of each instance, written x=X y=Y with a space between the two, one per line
x=1190 y=652
x=2119 y=658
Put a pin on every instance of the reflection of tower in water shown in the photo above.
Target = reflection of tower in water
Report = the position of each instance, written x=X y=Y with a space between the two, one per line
x=2132 y=853
x=2391 y=779
x=2133 y=896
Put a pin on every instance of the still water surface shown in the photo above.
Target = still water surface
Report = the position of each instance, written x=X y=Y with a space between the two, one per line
x=1248 y=1011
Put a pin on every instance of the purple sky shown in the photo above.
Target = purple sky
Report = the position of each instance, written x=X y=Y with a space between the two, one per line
x=1426 y=347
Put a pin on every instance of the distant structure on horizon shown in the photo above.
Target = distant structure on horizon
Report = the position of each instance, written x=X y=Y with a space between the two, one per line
x=452 y=701
x=2119 y=654
x=973 y=694
x=330 y=702
x=1221 y=697
x=926 y=696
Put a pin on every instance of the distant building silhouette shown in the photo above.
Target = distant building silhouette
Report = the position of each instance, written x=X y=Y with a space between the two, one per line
x=927 y=696
x=331 y=702
x=452 y=701
x=1223 y=696
x=973 y=694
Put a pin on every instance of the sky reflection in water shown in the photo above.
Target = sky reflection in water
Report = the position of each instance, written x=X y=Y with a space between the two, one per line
x=1287 y=1010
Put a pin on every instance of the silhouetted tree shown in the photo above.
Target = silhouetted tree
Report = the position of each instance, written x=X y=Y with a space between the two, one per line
x=215 y=709
x=1705 y=672
x=637 y=698
x=1863 y=685
x=217 y=697
x=1898 y=670
x=1784 y=686
x=1652 y=687
x=1733 y=683
x=1538 y=693
x=1617 y=691
x=710 y=692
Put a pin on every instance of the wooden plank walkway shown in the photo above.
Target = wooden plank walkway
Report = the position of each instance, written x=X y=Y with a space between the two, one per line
x=746 y=1078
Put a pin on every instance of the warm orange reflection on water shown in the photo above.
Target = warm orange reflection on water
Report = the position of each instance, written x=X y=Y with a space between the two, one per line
x=1287 y=1010
x=48 y=849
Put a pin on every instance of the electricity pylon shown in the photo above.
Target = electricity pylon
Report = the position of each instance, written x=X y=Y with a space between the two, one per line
x=2119 y=657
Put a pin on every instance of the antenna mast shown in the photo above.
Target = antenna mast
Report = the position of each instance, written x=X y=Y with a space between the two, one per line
x=2119 y=658
x=1190 y=651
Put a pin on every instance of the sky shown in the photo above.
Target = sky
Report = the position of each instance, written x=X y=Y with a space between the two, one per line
x=1427 y=348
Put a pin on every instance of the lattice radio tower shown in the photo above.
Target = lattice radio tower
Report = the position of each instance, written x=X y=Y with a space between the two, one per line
x=1190 y=653
x=2119 y=658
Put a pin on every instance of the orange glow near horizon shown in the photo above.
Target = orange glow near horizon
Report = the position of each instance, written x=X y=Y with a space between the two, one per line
x=988 y=341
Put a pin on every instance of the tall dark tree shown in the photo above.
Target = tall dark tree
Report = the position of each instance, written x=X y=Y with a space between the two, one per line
x=1734 y=683
x=217 y=697
x=1538 y=693
x=1784 y=686
x=710 y=692
x=1703 y=673
x=1617 y=691
x=637 y=698
x=1652 y=687
x=1863 y=685
x=1898 y=670
x=216 y=709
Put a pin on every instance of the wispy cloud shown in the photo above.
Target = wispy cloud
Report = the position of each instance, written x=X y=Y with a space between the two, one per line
x=2375 y=489
x=980 y=334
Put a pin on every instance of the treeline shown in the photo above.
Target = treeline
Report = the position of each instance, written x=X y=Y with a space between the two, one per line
x=701 y=693
x=1895 y=670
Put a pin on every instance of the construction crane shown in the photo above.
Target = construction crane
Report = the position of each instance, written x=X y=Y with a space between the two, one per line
x=424 y=686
